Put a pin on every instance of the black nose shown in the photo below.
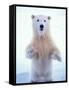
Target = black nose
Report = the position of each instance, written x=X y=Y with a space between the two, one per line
x=41 y=27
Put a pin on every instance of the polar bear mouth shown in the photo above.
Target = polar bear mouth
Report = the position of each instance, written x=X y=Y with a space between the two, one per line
x=41 y=27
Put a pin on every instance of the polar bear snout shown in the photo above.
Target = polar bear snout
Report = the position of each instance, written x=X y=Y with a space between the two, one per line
x=41 y=27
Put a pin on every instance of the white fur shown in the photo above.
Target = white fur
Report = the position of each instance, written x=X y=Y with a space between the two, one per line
x=41 y=69
x=36 y=25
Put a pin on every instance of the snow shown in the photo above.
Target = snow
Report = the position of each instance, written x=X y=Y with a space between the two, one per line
x=24 y=36
x=58 y=73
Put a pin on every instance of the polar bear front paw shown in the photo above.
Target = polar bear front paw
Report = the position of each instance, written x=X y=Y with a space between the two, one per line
x=30 y=52
x=56 y=55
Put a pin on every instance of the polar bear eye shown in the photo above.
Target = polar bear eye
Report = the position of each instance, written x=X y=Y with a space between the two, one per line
x=37 y=20
x=44 y=20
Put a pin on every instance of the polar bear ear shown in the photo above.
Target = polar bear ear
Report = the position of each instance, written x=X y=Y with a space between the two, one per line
x=49 y=17
x=33 y=16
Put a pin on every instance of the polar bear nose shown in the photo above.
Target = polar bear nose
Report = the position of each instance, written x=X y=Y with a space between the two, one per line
x=41 y=27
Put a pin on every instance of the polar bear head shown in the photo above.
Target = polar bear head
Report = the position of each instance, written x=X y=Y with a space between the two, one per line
x=40 y=24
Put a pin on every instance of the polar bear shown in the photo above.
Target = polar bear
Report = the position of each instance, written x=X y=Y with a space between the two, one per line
x=42 y=49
